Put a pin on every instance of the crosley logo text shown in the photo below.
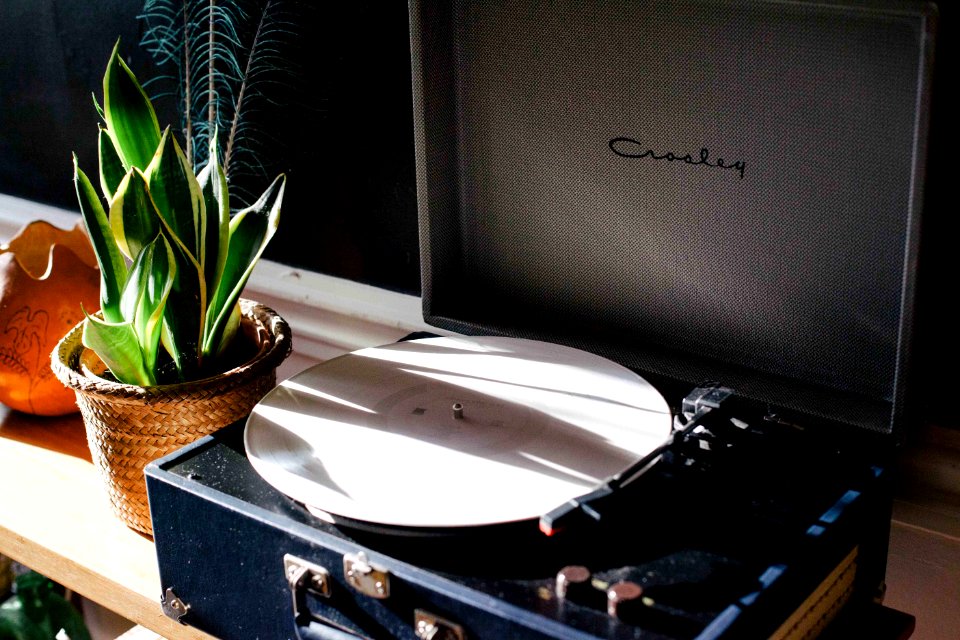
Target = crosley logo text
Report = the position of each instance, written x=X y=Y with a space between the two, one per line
x=630 y=148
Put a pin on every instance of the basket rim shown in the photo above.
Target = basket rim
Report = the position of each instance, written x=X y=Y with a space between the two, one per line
x=275 y=345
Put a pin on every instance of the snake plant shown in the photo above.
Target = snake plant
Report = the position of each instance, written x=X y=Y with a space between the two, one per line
x=173 y=261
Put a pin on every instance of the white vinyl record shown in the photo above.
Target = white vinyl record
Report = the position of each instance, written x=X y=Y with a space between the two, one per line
x=453 y=432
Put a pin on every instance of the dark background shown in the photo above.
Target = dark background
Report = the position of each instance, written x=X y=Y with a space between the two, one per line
x=340 y=127
x=350 y=208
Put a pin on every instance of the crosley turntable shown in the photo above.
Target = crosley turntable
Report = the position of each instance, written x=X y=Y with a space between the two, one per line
x=679 y=241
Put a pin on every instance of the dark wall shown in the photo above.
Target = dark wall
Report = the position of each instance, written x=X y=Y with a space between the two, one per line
x=348 y=148
x=52 y=57
x=937 y=339
x=338 y=121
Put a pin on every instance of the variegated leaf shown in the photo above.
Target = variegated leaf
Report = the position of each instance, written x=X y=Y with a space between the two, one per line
x=116 y=344
x=176 y=194
x=111 y=168
x=185 y=312
x=250 y=231
x=131 y=120
x=213 y=184
x=145 y=296
x=113 y=269
x=133 y=216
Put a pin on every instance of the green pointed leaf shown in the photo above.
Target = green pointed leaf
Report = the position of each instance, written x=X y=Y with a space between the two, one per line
x=145 y=296
x=185 y=313
x=96 y=105
x=250 y=231
x=213 y=184
x=231 y=327
x=130 y=117
x=176 y=194
x=166 y=339
x=133 y=217
x=116 y=344
x=111 y=168
x=113 y=270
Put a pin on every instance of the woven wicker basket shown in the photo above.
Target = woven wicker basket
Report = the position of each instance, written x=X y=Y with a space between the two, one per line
x=128 y=426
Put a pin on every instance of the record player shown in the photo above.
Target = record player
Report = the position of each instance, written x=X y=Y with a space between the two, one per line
x=675 y=245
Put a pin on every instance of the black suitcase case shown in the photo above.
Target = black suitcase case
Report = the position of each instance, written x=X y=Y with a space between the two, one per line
x=699 y=190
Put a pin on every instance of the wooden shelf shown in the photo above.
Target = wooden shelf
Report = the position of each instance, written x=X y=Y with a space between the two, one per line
x=56 y=519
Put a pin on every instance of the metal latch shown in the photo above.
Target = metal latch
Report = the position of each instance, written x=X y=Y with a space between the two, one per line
x=367 y=578
x=304 y=577
x=173 y=607
x=428 y=626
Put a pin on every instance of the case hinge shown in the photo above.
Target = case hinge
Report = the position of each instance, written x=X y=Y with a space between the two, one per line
x=173 y=607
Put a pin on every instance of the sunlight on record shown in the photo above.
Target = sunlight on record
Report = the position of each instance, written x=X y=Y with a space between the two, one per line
x=294 y=386
x=523 y=362
x=451 y=432
x=614 y=421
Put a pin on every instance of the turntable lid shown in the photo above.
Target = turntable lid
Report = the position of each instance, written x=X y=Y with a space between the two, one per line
x=704 y=190
x=375 y=435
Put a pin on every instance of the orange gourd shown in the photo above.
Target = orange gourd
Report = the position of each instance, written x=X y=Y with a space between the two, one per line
x=46 y=274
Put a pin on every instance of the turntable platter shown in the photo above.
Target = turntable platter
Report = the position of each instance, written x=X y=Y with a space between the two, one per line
x=453 y=432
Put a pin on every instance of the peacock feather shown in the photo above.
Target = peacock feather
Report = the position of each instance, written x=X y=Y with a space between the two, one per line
x=225 y=63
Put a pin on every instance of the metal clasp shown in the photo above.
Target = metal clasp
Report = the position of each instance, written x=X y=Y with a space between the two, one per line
x=304 y=577
x=367 y=578
x=427 y=626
